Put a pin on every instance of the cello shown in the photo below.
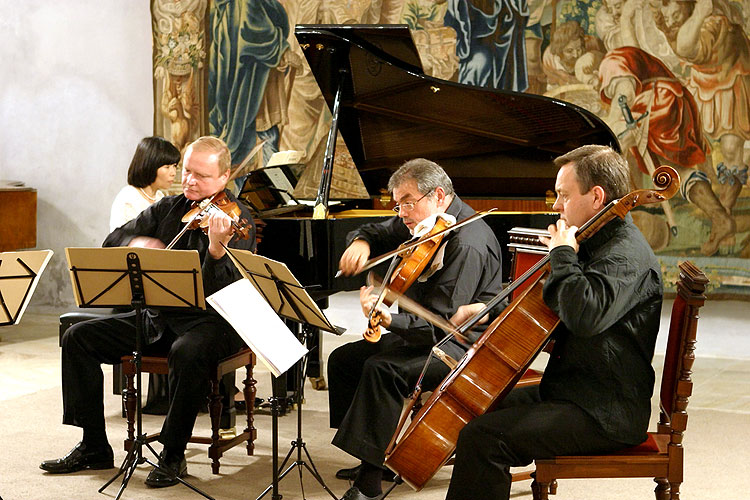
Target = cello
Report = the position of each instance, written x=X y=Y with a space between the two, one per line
x=491 y=367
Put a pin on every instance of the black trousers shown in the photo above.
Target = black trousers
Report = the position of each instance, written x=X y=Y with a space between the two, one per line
x=191 y=354
x=367 y=385
x=522 y=429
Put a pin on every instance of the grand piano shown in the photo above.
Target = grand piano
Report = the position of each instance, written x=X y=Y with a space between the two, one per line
x=496 y=146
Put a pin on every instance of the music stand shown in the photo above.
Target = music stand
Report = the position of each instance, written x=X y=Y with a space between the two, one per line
x=139 y=277
x=19 y=276
x=289 y=299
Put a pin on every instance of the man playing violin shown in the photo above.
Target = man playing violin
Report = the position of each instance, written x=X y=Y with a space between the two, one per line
x=595 y=394
x=368 y=382
x=193 y=340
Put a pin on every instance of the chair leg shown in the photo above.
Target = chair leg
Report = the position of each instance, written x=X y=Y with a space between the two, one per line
x=662 y=490
x=249 y=390
x=539 y=490
x=674 y=491
x=128 y=396
x=214 y=409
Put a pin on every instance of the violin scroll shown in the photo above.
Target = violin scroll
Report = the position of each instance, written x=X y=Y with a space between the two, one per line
x=372 y=334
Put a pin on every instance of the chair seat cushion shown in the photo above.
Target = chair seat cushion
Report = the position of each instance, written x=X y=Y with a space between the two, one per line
x=654 y=443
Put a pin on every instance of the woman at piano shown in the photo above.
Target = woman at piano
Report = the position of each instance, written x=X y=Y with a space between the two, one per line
x=151 y=171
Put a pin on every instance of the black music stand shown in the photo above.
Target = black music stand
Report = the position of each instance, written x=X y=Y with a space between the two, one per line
x=289 y=299
x=19 y=276
x=138 y=277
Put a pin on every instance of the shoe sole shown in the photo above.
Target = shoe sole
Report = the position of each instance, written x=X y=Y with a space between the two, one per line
x=94 y=466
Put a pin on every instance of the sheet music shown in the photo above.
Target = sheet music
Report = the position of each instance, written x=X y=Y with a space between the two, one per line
x=280 y=181
x=258 y=325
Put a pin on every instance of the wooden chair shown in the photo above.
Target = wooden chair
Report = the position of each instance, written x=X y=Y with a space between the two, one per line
x=661 y=455
x=217 y=443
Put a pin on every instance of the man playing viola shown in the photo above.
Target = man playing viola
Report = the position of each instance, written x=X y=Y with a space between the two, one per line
x=368 y=382
x=595 y=394
x=193 y=340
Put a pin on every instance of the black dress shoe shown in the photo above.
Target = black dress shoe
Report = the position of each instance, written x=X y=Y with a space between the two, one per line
x=79 y=458
x=348 y=474
x=167 y=472
x=351 y=473
x=353 y=493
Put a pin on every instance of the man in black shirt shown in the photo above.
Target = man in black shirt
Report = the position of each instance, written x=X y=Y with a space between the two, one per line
x=368 y=382
x=595 y=394
x=193 y=340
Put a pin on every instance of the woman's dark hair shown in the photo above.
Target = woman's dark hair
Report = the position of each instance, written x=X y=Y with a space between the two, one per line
x=151 y=153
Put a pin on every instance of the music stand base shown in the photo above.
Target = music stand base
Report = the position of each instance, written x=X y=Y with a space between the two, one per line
x=133 y=459
x=302 y=464
x=298 y=444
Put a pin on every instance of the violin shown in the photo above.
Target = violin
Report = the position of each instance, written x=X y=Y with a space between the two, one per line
x=413 y=262
x=198 y=215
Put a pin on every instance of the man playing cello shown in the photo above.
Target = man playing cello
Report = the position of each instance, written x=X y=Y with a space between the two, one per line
x=368 y=382
x=595 y=394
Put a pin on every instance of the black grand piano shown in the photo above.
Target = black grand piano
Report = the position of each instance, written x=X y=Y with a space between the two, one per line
x=496 y=146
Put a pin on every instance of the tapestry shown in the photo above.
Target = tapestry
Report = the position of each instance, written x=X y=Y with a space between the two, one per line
x=671 y=78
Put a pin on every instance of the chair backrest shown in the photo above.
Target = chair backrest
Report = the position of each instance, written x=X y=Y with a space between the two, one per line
x=676 y=384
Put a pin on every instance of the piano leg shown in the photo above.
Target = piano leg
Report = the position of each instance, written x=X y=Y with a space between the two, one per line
x=315 y=360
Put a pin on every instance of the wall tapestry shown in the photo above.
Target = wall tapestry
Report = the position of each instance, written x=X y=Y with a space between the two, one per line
x=671 y=78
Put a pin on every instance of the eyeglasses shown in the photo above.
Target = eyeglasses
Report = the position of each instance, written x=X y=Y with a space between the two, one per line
x=409 y=205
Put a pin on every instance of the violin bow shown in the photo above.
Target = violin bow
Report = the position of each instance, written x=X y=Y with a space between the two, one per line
x=414 y=307
x=372 y=279
x=409 y=245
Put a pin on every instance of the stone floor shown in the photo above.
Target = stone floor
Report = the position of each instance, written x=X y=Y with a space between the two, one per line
x=31 y=430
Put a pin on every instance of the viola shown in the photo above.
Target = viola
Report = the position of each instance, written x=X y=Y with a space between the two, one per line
x=413 y=262
x=198 y=215
x=497 y=360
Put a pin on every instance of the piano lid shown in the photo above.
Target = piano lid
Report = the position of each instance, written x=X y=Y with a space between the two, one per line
x=492 y=143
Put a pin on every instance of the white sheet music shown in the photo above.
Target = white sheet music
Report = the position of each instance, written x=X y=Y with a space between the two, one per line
x=258 y=325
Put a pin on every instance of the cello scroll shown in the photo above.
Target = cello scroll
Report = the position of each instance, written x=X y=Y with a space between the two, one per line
x=666 y=184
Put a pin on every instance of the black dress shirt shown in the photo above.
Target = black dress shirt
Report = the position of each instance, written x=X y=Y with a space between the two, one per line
x=608 y=298
x=471 y=272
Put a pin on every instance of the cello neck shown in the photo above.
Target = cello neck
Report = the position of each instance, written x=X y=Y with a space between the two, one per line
x=667 y=182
